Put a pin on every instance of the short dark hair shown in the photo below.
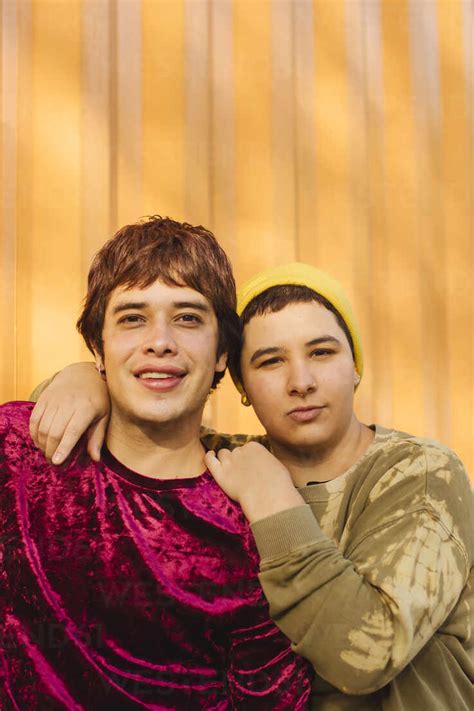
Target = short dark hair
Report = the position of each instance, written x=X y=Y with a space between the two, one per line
x=177 y=253
x=275 y=299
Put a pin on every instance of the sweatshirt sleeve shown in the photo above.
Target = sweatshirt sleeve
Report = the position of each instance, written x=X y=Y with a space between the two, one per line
x=361 y=616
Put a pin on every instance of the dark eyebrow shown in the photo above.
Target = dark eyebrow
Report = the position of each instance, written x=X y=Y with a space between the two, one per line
x=129 y=306
x=199 y=305
x=275 y=349
x=264 y=351
x=322 y=339
x=138 y=305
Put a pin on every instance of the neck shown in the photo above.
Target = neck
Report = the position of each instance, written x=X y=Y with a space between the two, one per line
x=325 y=463
x=163 y=451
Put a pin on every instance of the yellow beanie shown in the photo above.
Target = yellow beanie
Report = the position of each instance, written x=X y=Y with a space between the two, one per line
x=305 y=275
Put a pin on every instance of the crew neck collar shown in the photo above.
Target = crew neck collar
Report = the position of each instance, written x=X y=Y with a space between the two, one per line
x=339 y=481
x=148 y=482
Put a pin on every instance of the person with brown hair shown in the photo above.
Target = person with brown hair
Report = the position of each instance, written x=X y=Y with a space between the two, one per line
x=364 y=533
x=132 y=582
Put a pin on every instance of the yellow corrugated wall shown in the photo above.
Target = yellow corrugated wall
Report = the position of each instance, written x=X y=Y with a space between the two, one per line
x=338 y=132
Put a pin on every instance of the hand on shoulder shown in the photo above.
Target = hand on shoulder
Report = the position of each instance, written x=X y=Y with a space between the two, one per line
x=75 y=401
x=253 y=477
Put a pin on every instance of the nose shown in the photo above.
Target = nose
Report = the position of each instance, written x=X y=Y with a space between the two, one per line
x=301 y=379
x=159 y=340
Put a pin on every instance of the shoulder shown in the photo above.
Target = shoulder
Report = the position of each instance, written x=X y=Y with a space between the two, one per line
x=216 y=440
x=211 y=504
x=417 y=473
x=15 y=416
x=420 y=456
x=17 y=449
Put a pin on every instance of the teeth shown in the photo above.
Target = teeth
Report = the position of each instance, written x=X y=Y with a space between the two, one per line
x=158 y=376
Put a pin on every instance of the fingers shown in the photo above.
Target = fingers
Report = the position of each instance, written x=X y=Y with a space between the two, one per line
x=63 y=438
x=36 y=415
x=96 y=438
x=56 y=431
x=53 y=434
x=76 y=399
x=223 y=455
x=212 y=463
x=45 y=426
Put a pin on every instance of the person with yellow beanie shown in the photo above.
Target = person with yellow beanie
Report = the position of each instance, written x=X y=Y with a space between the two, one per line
x=364 y=532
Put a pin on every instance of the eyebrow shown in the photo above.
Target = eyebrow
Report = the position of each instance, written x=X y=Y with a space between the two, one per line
x=199 y=305
x=277 y=349
x=128 y=306
x=138 y=305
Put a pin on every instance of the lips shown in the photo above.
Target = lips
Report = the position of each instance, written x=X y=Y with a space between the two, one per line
x=159 y=379
x=306 y=414
x=156 y=374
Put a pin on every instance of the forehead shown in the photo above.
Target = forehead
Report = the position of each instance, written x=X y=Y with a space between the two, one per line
x=157 y=293
x=305 y=320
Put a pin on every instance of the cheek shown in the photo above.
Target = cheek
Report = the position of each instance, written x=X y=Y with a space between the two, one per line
x=119 y=347
x=339 y=381
x=264 y=392
x=201 y=347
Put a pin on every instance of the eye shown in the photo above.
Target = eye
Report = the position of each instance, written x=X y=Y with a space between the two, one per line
x=131 y=319
x=322 y=352
x=270 y=361
x=189 y=319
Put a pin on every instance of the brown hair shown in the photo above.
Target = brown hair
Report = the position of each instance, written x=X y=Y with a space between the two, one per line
x=178 y=254
x=275 y=299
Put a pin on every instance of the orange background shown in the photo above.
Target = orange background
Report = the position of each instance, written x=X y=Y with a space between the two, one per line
x=337 y=132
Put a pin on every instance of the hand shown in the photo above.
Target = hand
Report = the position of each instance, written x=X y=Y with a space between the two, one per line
x=75 y=400
x=253 y=477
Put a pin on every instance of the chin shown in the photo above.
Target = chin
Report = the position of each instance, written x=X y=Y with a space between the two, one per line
x=301 y=441
x=152 y=414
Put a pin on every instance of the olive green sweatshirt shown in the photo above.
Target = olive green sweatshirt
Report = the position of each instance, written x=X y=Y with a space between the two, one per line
x=371 y=581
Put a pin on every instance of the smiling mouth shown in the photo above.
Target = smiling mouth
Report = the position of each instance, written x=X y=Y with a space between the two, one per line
x=159 y=381
x=157 y=376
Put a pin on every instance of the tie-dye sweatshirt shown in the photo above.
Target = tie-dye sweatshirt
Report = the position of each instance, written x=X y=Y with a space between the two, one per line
x=371 y=579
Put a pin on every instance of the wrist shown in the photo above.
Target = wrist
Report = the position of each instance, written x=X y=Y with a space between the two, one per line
x=273 y=503
x=82 y=368
x=84 y=372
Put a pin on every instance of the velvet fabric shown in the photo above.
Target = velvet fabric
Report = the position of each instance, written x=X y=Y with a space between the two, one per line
x=120 y=591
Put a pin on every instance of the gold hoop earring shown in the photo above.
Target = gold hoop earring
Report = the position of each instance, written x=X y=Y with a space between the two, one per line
x=245 y=401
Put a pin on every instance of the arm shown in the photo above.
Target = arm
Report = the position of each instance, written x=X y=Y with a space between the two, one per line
x=361 y=616
x=34 y=396
x=74 y=400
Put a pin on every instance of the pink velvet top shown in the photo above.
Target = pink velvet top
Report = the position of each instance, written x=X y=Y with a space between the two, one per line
x=120 y=591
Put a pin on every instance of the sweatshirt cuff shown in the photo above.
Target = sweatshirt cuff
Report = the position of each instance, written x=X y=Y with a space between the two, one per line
x=282 y=532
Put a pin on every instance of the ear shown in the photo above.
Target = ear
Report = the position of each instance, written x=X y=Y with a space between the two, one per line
x=99 y=364
x=221 y=363
x=356 y=378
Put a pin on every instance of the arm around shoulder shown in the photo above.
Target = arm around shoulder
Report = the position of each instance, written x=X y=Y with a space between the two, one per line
x=74 y=401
